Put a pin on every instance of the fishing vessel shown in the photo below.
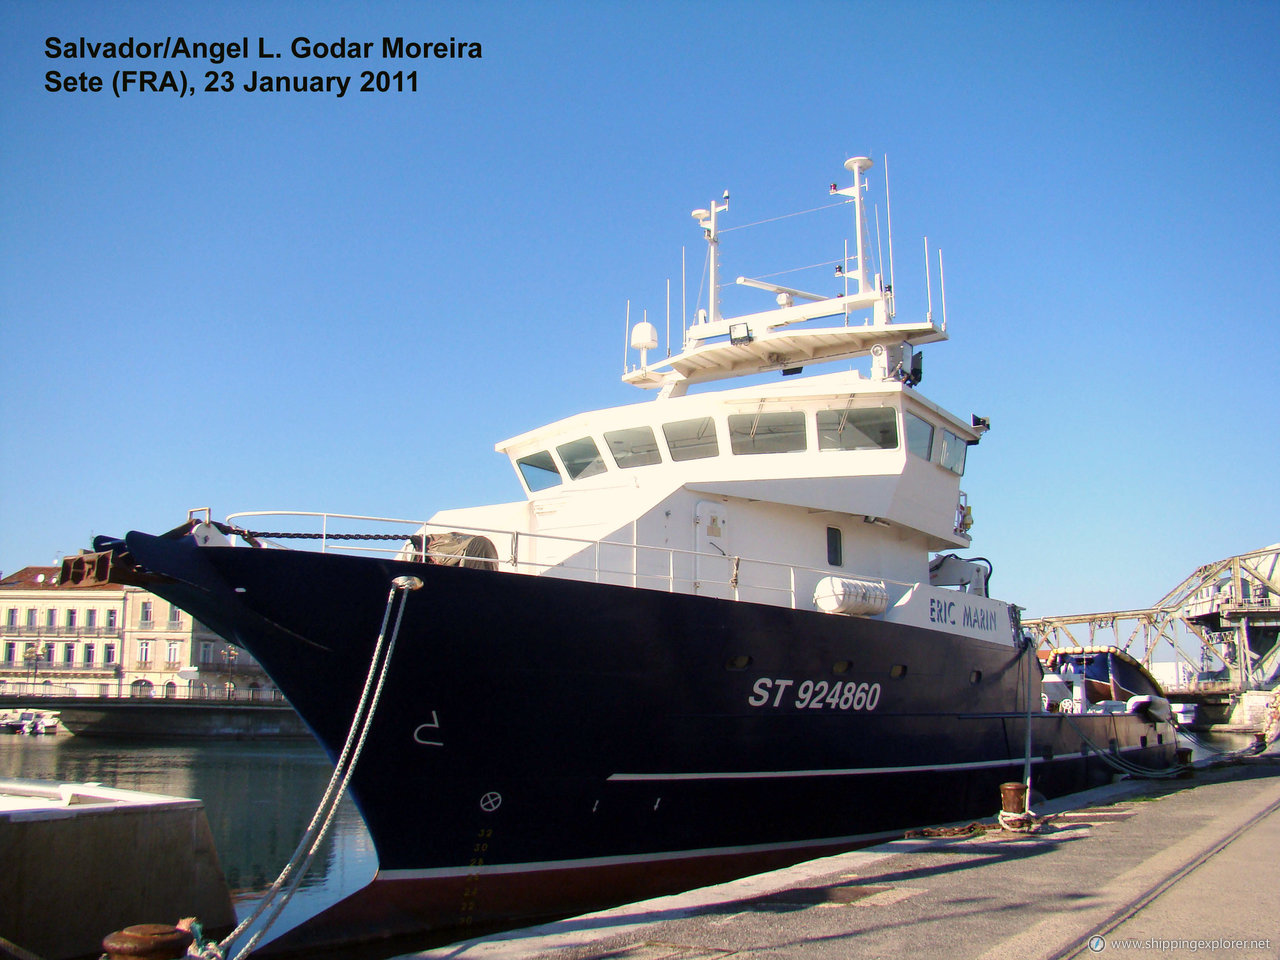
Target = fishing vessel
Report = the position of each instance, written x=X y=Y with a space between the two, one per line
x=723 y=630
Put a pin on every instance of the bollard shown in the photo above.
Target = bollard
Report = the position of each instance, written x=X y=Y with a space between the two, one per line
x=1013 y=797
x=1182 y=756
x=147 y=941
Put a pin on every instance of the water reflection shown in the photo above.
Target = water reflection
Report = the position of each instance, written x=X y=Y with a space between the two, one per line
x=259 y=797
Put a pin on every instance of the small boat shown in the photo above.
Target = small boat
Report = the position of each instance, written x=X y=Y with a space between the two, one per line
x=1079 y=679
x=31 y=722
x=44 y=723
x=722 y=631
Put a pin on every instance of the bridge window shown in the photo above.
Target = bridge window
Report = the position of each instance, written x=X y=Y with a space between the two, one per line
x=581 y=458
x=919 y=436
x=539 y=471
x=870 y=428
x=953 y=451
x=633 y=447
x=691 y=439
x=779 y=432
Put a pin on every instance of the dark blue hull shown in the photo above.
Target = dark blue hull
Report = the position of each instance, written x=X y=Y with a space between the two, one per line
x=544 y=746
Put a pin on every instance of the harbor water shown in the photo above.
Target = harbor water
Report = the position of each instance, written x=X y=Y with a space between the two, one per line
x=259 y=797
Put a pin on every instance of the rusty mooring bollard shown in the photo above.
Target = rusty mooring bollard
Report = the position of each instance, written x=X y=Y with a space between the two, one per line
x=1013 y=797
x=147 y=941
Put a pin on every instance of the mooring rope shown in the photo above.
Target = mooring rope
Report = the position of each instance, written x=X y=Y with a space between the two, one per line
x=294 y=871
x=1123 y=765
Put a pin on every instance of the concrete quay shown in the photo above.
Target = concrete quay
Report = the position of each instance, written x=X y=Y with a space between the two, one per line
x=1176 y=868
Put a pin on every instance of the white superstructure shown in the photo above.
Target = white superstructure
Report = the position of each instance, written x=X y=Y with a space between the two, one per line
x=761 y=492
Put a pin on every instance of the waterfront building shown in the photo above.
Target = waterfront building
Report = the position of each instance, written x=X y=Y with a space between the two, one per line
x=111 y=640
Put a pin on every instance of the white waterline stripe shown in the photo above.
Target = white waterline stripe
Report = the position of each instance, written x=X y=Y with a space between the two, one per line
x=849 y=772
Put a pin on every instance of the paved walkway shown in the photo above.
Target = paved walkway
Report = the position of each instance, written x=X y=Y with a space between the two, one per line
x=1177 y=869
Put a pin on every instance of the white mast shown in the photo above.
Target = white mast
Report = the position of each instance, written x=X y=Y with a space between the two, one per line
x=780 y=339
x=707 y=220
x=858 y=166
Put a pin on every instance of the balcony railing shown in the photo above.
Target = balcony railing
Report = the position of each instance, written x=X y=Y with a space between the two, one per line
x=52 y=665
x=25 y=690
x=43 y=667
x=87 y=633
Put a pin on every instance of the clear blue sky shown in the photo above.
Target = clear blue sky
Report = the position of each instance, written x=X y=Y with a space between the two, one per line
x=251 y=301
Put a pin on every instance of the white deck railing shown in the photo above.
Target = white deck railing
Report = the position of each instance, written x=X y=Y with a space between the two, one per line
x=599 y=561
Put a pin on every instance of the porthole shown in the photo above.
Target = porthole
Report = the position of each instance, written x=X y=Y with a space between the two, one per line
x=738 y=663
x=842 y=666
x=898 y=671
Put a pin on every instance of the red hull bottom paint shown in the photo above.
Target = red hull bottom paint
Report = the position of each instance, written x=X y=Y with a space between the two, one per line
x=438 y=910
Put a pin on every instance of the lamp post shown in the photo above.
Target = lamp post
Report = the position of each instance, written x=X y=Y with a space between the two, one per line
x=229 y=656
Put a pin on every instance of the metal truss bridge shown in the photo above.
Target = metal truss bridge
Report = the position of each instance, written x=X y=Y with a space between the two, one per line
x=1220 y=624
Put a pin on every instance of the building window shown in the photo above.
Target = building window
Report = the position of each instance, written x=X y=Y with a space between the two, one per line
x=90 y=619
x=206 y=652
x=13 y=617
x=88 y=654
x=175 y=651
x=111 y=619
x=145 y=615
x=144 y=651
x=68 y=653
x=31 y=617
x=108 y=653
x=10 y=652
x=71 y=619
x=51 y=619
x=835 y=547
x=175 y=615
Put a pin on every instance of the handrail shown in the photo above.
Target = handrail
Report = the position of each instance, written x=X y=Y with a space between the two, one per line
x=673 y=568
